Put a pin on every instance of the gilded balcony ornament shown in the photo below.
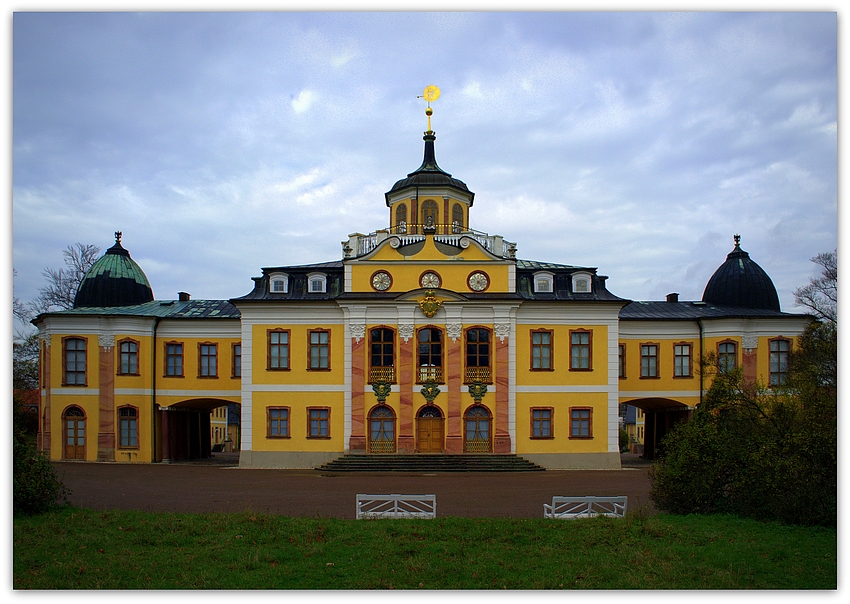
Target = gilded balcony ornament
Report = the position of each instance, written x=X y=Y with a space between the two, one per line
x=477 y=390
x=430 y=391
x=382 y=391
x=429 y=304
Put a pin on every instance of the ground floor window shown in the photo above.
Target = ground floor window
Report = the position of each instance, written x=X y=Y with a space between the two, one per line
x=278 y=422
x=382 y=430
x=541 y=422
x=477 y=430
x=319 y=422
x=128 y=427
x=580 y=422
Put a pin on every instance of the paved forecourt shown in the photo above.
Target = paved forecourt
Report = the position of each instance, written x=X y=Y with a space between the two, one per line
x=205 y=487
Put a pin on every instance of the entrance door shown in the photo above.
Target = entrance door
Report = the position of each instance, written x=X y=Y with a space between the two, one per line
x=429 y=430
x=75 y=433
x=476 y=438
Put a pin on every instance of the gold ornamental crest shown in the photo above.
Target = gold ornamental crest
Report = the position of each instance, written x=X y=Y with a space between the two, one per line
x=429 y=304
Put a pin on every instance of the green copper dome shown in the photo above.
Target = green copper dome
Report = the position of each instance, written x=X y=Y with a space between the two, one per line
x=114 y=280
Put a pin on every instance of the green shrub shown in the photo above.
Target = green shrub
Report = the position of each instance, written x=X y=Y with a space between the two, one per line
x=36 y=488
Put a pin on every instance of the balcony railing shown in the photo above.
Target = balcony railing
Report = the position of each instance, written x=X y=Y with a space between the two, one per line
x=430 y=373
x=476 y=446
x=450 y=234
x=381 y=446
x=382 y=374
x=477 y=374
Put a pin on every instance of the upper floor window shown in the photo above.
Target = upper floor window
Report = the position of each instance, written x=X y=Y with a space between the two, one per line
x=128 y=363
x=682 y=365
x=317 y=283
x=457 y=218
x=478 y=355
x=401 y=218
x=649 y=360
x=544 y=283
x=278 y=349
x=320 y=349
x=279 y=283
x=779 y=351
x=727 y=356
x=74 y=361
x=580 y=350
x=174 y=359
x=128 y=427
x=541 y=349
x=381 y=355
x=429 y=213
x=621 y=359
x=430 y=354
x=236 y=369
x=207 y=360
x=581 y=283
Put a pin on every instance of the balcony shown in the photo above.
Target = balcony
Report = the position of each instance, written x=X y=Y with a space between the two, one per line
x=449 y=234
x=382 y=374
x=429 y=373
x=477 y=374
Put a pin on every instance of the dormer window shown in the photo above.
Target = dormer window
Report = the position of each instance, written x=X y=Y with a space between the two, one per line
x=581 y=283
x=279 y=283
x=317 y=283
x=544 y=283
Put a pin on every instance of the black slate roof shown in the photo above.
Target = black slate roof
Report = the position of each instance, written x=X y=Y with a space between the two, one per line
x=429 y=174
x=113 y=280
x=166 y=309
x=741 y=282
x=691 y=311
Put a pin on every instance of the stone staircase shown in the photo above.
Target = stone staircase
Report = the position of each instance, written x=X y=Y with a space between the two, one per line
x=478 y=462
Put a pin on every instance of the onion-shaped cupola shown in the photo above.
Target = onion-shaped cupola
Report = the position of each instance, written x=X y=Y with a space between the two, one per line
x=429 y=197
x=741 y=282
x=114 y=280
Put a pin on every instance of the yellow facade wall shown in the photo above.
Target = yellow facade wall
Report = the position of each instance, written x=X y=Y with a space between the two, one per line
x=298 y=403
x=452 y=275
x=560 y=374
x=298 y=372
x=561 y=403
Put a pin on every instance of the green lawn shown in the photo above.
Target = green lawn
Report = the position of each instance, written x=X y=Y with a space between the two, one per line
x=86 y=549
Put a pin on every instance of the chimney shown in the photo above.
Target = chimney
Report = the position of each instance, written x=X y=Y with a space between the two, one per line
x=184 y=296
x=672 y=297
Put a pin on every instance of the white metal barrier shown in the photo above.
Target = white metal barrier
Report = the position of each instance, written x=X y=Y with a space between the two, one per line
x=396 y=506
x=585 y=507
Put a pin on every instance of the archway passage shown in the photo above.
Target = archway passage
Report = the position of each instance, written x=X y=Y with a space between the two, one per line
x=429 y=430
x=184 y=430
x=74 y=420
x=476 y=434
x=382 y=430
x=660 y=416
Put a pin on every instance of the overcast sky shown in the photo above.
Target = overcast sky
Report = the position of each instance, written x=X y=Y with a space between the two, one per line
x=220 y=143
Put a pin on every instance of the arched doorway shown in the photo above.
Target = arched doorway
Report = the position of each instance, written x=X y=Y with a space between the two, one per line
x=660 y=415
x=74 y=420
x=382 y=430
x=429 y=430
x=476 y=433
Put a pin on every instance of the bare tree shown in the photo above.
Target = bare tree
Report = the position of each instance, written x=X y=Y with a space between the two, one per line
x=821 y=294
x=62 y=284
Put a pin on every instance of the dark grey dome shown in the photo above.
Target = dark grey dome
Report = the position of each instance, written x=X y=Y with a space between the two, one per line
x=114 y=280
x=741 y=282
x=429 y=174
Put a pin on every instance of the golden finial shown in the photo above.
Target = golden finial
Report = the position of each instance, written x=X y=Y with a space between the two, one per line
x=431 y=93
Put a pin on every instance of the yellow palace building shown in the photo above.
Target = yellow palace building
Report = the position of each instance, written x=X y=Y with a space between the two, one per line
x=425 y=338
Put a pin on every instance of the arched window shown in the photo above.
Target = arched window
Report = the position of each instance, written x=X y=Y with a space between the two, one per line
x=457 y=218
x=429 y=213
x=401 y=218
x=382 y=430
x=476 y=434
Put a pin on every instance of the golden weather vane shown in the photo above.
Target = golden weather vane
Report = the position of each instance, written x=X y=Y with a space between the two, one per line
x=432 y=93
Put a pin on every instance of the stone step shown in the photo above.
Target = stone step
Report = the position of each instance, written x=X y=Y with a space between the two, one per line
x=430 y=463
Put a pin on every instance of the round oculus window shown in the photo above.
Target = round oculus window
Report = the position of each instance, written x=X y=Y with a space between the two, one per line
x=478 y=281
x=381 y=281
x=430 y=279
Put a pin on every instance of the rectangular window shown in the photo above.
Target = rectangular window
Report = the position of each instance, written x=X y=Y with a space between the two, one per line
x=541 y=349
x=682 y=366
x=649 y=360
x=207 y=360
x=129 y=358
x=278 y=422
x=174 y=359
x=278 y=354
x=580 y=424
x=541 y=422
x=320 y=350
x=318 y=422
x=381 y=355
x=74 y=362
x=727 y=356
x=580 y=356
x=477 y=355
x=779 y=351
x=236 y=369
x=621 y=359
x=128 y=428
x=430 y=355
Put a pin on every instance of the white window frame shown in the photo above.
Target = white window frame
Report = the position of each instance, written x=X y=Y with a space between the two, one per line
x=279 y=278
x=585 y=278
x=321 y=279
x=547 y=278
